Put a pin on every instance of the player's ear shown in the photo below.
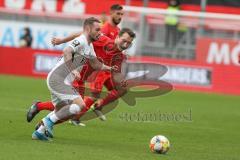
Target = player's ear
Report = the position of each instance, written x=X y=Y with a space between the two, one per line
x=88 y=29
x=112 y=12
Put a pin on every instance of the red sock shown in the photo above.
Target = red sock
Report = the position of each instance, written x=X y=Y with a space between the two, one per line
x=112 y=96
x=88 y=102
x=45 y=106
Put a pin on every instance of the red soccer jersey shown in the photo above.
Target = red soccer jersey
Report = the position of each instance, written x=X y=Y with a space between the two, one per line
x=107 y=53
x=110 y=31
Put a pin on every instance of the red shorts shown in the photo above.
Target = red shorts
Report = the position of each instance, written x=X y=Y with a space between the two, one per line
x=79 y=86
x=103 y=78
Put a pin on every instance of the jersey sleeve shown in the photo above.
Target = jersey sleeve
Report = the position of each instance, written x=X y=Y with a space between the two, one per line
x=102 y=41
x=76 y=44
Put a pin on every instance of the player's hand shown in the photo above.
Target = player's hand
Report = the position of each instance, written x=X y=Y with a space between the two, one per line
x=56 y=41
x=123 y=83
x=76 y=74
x=114 y=68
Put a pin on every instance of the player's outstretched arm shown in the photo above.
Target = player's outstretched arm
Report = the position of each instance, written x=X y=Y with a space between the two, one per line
x=57 y=41
x=95 y=64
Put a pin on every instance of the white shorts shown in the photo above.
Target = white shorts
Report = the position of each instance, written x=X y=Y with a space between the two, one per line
x=56 y=82
x=60 y=98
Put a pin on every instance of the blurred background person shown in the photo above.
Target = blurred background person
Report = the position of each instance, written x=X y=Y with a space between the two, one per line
x=103 y=18
x=171 y=23
x=26 y=38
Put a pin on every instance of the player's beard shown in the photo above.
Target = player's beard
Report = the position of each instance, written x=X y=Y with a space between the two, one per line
x=116 y=22
x=122 y=48
x=93 y=38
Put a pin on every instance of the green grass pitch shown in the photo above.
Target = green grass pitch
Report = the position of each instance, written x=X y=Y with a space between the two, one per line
x=211 y=133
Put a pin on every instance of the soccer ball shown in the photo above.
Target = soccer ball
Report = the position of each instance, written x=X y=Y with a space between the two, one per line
x=159 y=144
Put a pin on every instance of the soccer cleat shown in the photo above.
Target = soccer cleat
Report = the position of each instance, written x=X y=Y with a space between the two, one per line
x=32 y=112
x=100 y=114
x=38 y=125
x=39 y=136
x=49 y=126
x=77 y=123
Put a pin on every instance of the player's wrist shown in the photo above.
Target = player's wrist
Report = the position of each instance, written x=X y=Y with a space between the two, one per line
x=61 y=41
x=105 y=67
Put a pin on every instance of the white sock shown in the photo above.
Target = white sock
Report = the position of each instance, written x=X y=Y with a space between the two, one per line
x=54 y=118
x=41 y=129
x=51 y=113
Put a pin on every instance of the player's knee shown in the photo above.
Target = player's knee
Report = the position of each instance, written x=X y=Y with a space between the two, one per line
x=74 y=108
x=79 y=102
x=83 y=105
x=123 y=92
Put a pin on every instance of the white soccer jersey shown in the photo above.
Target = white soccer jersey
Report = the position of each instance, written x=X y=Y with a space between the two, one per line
x=59 y=78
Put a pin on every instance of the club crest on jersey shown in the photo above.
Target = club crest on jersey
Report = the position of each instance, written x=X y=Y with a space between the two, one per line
x=109 y=47
x=117 y=57
x=75 y=43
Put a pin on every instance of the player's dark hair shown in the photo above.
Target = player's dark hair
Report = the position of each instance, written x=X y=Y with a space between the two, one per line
x=116 y=7
x=90 y=21
x=128 y=31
